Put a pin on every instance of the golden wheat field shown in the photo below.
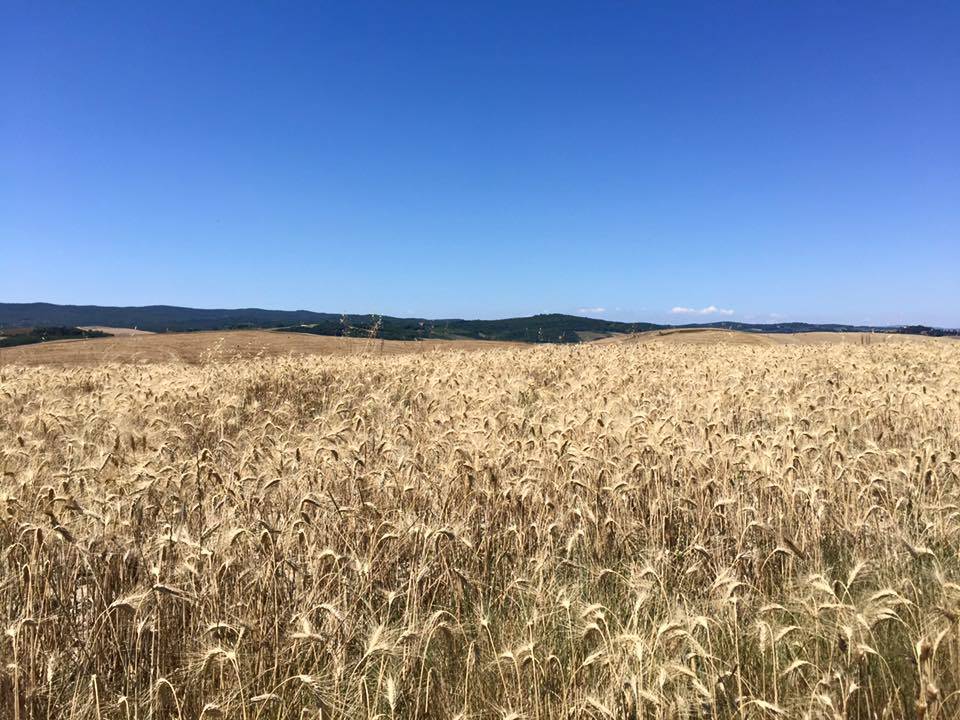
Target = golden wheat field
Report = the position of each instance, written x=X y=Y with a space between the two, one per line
x=603 y=531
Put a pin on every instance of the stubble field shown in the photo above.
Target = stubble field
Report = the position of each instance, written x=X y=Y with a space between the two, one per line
x=621 y=530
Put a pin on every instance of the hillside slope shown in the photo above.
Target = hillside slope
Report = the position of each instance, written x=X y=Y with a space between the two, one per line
x=550 y=328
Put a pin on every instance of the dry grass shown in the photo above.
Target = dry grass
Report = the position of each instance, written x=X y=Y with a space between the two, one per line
x=609 y=531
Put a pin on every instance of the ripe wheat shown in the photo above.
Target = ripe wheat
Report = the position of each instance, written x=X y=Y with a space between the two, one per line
x=612 y=531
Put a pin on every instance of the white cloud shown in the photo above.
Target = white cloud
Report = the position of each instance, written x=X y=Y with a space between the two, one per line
x=709 y=310
x=592 y=310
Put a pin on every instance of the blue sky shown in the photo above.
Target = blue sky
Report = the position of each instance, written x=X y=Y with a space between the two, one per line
x=744 y=160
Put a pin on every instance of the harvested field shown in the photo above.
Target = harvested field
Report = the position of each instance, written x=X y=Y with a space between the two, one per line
x=710 y=336
x=619 y=530
x=116 y=330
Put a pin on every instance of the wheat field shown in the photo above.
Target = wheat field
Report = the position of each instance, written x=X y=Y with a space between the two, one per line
x=600 y=531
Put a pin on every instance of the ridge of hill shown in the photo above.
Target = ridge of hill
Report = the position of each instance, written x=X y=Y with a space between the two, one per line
x=551 y=328
x=154 y=318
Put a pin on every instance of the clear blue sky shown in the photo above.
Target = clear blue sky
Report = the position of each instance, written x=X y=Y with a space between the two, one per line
x=795 y=160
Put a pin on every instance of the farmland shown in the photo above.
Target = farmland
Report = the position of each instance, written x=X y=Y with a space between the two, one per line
x=196 y=347
x=655 y=527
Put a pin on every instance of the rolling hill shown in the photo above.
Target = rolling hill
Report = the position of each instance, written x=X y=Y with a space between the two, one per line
x=154 y=318
x=549 y=328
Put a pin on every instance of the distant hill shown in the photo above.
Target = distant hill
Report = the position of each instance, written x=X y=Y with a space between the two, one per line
x=155 y=318
x=801 y=327
x=550 y=328
x=536 y=328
